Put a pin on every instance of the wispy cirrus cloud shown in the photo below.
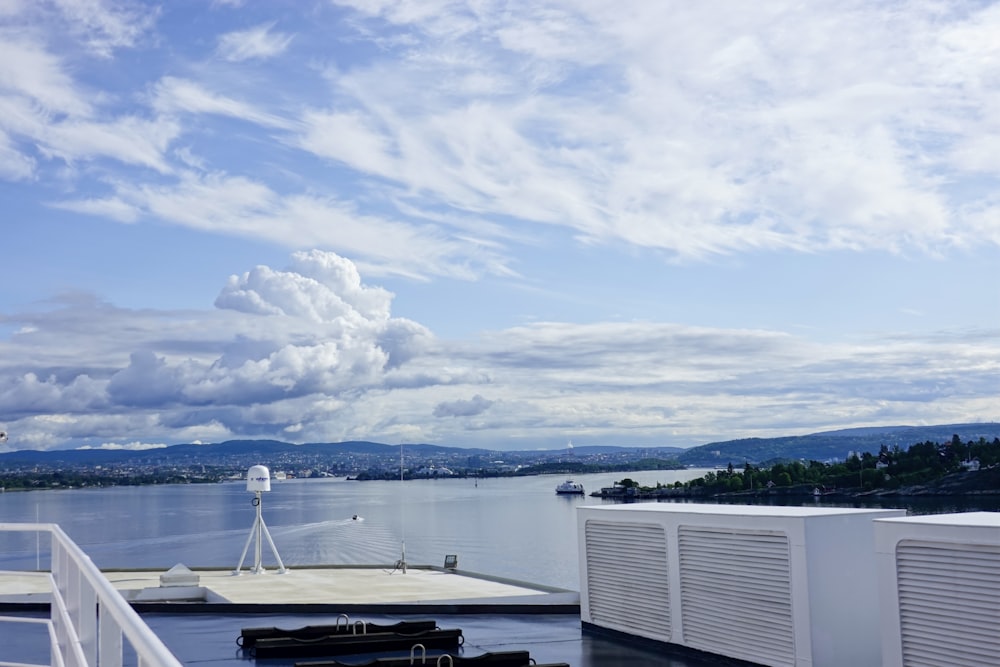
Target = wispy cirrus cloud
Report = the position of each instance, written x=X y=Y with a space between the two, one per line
x=717 y=145
x=172 y=95
x=45 y=113
x=29 y=71
x=106 y=25
x=14 y=165
x=254 y=44
x=733 y=147
x=234 y=205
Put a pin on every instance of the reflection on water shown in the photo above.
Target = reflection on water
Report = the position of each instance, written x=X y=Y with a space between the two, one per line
x=511 y=527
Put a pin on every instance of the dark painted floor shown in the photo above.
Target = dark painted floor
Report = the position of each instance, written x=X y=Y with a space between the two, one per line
x=211 y=640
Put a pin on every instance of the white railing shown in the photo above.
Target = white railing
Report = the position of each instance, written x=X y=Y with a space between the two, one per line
x=90 y=622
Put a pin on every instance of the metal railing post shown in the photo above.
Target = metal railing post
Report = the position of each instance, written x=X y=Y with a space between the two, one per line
x=87 y=631
x=110 y=640
x=90 y=622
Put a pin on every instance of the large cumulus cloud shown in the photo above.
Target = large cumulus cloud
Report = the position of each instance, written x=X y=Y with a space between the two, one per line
x=310 y=353
x=294 y=340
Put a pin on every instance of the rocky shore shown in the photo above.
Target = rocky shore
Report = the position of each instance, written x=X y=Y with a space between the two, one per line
x=965 y=483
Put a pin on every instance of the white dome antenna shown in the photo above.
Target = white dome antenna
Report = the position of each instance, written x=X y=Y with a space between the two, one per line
x=259 y=481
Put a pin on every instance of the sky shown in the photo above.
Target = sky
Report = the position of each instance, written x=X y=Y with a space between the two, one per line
x=496 y=224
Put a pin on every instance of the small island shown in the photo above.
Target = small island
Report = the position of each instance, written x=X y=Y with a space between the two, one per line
x=950 y=468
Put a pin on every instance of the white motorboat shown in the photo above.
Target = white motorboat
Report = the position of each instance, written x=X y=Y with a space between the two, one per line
x=570 y=487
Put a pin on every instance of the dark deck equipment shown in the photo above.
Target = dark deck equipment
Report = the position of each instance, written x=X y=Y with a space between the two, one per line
x=494 y=659
x=349 y=644
x=249 y=636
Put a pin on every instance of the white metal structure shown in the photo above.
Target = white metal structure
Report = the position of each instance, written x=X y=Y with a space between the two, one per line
x=790 y=586
x=258 y=481
x=570 y=487
x=939 y=587
x=90 y=622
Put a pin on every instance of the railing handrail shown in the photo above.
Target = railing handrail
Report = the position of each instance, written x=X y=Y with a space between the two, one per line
x=147 y=645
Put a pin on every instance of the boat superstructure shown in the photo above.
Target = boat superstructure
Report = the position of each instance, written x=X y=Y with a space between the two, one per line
x=569 y=487
x=790 y=586
x=95 y=617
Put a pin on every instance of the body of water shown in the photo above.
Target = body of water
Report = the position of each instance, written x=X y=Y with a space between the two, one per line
x=510 y=527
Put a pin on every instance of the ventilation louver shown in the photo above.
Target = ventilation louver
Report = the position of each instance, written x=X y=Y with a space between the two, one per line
x=949 y=603
x=736 y=593
x=776 y=586
x=627 y=578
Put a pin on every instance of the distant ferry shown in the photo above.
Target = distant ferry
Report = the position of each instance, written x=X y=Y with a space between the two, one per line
x=570 y=487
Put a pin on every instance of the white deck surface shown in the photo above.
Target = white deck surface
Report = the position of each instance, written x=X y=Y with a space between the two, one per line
x=335 y=585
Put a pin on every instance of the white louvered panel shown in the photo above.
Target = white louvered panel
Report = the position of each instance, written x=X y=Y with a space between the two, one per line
x=627 y=583
x=736 y=593
x=949 y=603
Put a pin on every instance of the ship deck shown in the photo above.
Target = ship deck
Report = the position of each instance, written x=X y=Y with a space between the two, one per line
x=201 y=623
x=308 y=589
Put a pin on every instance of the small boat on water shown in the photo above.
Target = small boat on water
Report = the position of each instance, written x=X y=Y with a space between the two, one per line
x=569 y=487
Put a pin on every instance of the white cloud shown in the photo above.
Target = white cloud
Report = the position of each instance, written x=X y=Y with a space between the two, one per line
x=325 y=334
x=113 y=209
x=50 y=394
x=349 y=138
x=43 y=107
x=28 y=70
x=106 y=25
x=131 y=140
x=440 y=141
x=14 y=165
x=313 y=351
x=423 y=12
x=757 y=134
x=235 y=205
x=11 y=7
x=171 y=95
x=129 y=446
x=321 y=287
x=253 y=44
x=462 y=408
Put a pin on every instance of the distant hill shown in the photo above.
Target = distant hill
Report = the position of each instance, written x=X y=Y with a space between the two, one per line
x=830 y=444
x=269 y=449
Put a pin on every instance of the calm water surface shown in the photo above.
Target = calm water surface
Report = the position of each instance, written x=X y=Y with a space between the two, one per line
x=510 y=527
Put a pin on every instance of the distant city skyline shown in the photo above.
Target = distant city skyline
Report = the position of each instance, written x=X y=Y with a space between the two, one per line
x=480 y=225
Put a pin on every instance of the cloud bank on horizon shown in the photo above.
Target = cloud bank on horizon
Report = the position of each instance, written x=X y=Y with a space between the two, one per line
x=474 y=224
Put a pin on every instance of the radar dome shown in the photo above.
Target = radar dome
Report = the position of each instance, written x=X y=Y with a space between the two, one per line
x=258 y=479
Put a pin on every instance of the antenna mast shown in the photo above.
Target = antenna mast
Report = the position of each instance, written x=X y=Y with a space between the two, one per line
x=258 y=480
x=401 y=564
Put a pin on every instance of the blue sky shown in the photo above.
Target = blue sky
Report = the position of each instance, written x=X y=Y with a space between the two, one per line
x=494 y=224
